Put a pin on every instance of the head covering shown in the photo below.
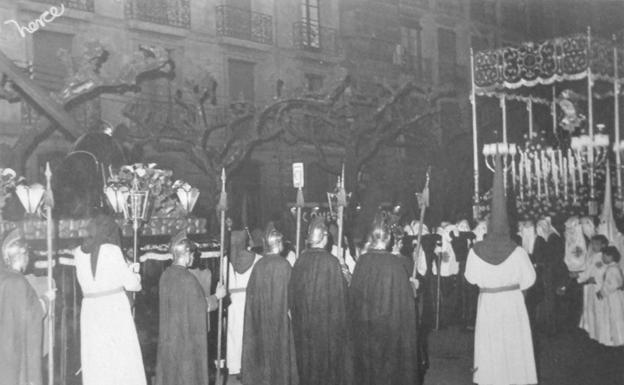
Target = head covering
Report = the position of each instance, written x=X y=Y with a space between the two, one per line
x=13 y=238
x=498 y=245
x=102 y=229
x=317 y=230
x=380 y=233
x=240 y=258
x=272 y=240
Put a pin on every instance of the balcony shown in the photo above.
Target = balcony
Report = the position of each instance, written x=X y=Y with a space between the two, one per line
x=315 y=38
x=244 y=24
x=173 y=13
x=81 y=5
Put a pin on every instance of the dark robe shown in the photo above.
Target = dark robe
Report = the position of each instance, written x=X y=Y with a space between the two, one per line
x=468 y=293
x=268 y=345
x=318 y=300
x=183 y=330
x=383 y=321
x=21 y=330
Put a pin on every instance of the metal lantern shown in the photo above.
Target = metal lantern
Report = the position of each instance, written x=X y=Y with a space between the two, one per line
x=187 y=195
x=30 y=197
x=117 y=196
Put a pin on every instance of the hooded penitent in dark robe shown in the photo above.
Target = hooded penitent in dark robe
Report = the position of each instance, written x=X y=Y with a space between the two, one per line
x=383 y=321
x=268 y=345
x=21 y=330
x=468 y=292
x=318 y=295
x=183 y=330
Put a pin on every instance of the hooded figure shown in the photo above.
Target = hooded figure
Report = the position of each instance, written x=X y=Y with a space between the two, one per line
x=607 y=226
x=183 y=326
x=383 y=316
x=503 y=348
x=268 y=345
x=21 y=317
x=242 y=262
x=318 y=301
x=109 y=346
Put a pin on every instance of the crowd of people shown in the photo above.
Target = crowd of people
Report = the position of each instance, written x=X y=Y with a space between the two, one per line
x=360 y=316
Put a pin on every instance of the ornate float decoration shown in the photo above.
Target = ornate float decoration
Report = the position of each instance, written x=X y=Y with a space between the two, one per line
x=561 y=174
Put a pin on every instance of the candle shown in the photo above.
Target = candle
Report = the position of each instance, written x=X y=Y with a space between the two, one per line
x=572 y=174
x=513 y=172
x=223 y=179
x=564 y=174
x=521 y=170
x=579 y=166
x=538 y=175
x=545 y=171
x=555 y=170
x=527 y=169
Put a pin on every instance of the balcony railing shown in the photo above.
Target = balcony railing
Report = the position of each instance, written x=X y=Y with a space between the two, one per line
x=81 y=5
x=313 y=37
x=175 y=13
x=244 y=24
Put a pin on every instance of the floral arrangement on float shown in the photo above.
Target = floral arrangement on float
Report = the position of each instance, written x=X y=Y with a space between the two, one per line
x=151 y=188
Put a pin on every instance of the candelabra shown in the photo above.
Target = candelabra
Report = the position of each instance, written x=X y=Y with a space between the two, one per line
x=591 y=153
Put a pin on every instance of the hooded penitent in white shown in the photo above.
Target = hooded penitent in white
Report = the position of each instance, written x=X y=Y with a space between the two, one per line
x=607 y=225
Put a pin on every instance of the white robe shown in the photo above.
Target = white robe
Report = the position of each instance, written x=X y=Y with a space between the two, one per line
x=593 y=269
x=503 y=348
x=610 y=309
x=110 y=352
x=236 y=316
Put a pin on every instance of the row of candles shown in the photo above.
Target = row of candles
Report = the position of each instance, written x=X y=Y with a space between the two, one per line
x=549 y=171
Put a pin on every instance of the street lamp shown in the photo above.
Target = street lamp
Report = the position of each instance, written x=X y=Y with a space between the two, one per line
x=30 y=197
x=187 y=195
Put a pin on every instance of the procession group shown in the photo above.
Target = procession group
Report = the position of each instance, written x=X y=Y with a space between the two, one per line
x=328 y=317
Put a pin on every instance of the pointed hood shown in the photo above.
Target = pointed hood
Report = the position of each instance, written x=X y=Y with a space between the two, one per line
x=498 y=244
x=607 y=225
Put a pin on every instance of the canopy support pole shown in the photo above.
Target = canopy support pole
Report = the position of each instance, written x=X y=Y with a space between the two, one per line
x=593 y=209
x=503 y=106
x=475 y=142
x=530 y=110
x=616 y=118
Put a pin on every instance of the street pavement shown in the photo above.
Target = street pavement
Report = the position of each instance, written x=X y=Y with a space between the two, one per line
x=570 y=358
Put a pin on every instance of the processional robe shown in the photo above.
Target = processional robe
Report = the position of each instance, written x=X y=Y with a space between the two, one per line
x=383 y=321
x=183 y=330
x=268 y=345
x=503 y=349
x=318 y=300
x=21 y=330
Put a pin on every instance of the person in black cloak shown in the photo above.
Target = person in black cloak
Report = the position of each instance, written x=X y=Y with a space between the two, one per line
x=183 y=328
x=318 y=300
x=383 y=316
x=21 y=318
x=268 y=344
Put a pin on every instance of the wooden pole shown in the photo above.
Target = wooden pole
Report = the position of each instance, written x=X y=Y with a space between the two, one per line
x=300 y=203
x=51 y=308
x=424 y=202
x=222 y=207
x=342 y=203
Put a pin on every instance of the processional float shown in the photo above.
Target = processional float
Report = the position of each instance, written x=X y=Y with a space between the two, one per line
x=564 y=76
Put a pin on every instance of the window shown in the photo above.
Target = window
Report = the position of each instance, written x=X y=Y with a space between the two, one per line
x=241 y=78
x=447 y=55
x=311 y=15
x=483 y=11
x=314 y=82
x=49 y=70
x=411 y=41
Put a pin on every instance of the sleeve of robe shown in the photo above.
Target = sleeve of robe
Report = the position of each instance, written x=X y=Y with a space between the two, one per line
x=472 y=271
x=527 y=271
